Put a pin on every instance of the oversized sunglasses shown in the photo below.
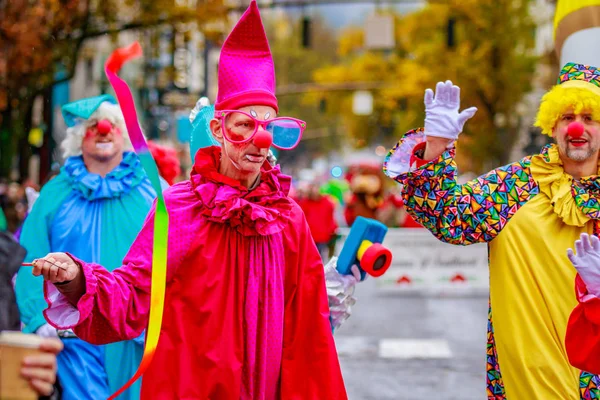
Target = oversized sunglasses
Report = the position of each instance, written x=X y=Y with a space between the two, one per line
x=240 y=127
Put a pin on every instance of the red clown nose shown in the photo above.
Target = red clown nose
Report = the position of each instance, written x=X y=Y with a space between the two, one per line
x=575 y=129
x=104 y=126
x=262 y=139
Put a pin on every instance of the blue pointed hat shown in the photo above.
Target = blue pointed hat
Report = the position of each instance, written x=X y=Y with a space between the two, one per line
x=84 y=108
x=201 y=135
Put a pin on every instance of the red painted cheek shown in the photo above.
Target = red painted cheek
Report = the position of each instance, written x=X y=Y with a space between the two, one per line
x=235 y=137
x=90 y=133
x=594 y=130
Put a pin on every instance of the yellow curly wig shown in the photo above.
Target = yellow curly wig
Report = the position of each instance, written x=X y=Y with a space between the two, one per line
x=577 y=95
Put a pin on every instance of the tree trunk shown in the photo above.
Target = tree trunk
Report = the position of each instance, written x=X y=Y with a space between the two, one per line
x=24 y=148
x=47 y=148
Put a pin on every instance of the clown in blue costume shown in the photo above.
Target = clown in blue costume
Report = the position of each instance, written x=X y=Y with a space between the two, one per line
x=93 y=209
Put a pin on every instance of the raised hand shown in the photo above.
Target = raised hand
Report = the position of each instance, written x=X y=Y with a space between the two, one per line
x=56 y=268
x=587 y=261
x=442 y=118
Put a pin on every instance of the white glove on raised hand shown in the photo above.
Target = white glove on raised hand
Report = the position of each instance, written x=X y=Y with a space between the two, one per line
x=587 y=261
x=442 y=118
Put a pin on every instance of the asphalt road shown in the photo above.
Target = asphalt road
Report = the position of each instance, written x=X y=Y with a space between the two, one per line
x=414 y=347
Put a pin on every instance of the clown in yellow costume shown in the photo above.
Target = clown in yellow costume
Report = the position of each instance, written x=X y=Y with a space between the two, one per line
x=529 y=212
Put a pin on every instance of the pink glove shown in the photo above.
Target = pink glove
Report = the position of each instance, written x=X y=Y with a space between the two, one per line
x=587 y=261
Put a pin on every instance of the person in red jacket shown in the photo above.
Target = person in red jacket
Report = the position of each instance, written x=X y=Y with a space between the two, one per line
x=320 y=215
x=583 y=331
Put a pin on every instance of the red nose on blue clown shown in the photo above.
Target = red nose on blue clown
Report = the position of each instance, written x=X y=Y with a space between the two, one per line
x=104 y=126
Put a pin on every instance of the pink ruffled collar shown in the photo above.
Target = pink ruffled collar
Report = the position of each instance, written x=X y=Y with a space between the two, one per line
x=264 y=210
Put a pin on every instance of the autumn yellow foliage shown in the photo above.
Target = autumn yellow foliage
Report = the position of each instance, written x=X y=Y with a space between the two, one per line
x=491 y=60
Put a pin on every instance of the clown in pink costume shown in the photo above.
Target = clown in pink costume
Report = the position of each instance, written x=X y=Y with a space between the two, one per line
x=246 y=311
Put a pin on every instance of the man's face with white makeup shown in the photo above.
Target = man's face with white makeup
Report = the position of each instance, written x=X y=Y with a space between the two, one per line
x=102 y=141
x=245 y=157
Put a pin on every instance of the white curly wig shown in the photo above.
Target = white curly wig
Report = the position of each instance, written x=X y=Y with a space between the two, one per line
x=71 y=144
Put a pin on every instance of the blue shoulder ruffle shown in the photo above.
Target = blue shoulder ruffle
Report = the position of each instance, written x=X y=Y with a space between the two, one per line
x=120 y=180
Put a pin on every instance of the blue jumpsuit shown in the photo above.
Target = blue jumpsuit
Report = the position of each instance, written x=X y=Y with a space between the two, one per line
x=96 y=219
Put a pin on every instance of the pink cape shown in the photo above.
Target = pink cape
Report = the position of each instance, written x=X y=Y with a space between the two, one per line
x=246 y=311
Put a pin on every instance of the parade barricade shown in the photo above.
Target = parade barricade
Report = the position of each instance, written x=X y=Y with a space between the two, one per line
x=423 y=264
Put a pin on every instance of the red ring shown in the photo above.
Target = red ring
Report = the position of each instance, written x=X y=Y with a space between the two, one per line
x=376 y=260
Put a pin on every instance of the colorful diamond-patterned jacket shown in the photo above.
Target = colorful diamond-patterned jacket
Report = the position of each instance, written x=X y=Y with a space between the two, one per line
x=529 y=212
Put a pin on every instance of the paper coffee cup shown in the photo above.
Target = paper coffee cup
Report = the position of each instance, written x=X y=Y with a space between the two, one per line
x=14 y=347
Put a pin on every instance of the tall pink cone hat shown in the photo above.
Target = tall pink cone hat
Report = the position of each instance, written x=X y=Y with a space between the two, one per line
x=246 y=69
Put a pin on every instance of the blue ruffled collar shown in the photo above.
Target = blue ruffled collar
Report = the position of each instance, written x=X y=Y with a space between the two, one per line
x=126 y=176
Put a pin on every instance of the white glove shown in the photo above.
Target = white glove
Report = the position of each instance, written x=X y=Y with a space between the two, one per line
x=47 y=331
x=442 y=118
x=32 y=195
x=340 y=291
x=587 y=261
x=200 y=104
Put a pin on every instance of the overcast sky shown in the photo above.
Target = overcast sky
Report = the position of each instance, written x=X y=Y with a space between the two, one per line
x=338 y=15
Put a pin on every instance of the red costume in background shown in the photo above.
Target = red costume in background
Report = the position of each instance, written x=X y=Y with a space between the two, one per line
x=167 y=161
x=320 y=215
x=583 y=332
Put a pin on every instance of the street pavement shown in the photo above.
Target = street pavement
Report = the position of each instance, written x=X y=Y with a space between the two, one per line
x=414 y=347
